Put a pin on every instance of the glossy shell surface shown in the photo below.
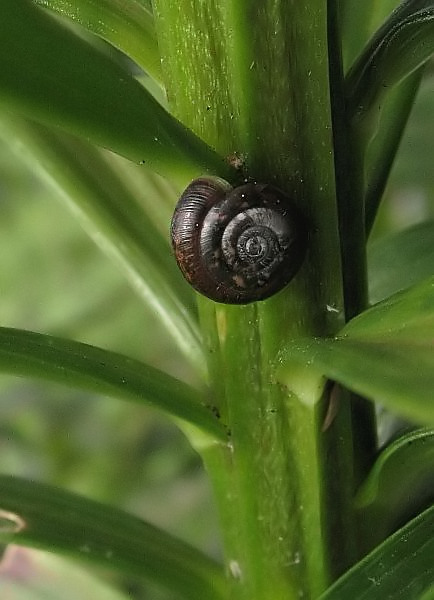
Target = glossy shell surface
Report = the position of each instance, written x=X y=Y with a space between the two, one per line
x=237 y=245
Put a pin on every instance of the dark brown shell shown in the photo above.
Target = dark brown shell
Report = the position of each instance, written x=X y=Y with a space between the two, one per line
x=237 y=245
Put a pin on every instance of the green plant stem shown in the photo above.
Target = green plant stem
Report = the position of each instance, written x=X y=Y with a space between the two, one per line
x=348 y=155
x=253 y=79
x=349 y=169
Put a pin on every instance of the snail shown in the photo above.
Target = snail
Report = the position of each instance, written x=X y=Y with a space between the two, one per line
x=237 y=245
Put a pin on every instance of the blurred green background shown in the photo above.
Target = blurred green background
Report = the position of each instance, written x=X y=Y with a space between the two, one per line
x=54 y=280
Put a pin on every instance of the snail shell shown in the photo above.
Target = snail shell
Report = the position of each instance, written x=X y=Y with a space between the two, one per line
x=237 y=245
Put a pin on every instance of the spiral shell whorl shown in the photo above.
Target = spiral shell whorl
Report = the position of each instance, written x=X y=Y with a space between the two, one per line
x=237 y=245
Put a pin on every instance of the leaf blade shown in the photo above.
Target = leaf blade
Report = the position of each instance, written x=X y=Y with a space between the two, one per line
x=99 y=197
x=400 y=260
x=49 y=518
x=401 y=45
x=359 y=21
x=128 y=27
x=92 y=96
x=399 y=485
x=28 y=573
x=384 y=146
x=401 y=566
x=385 y=354
x=25 y=353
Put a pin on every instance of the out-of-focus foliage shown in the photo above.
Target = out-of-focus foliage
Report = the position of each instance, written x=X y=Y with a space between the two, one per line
x=44 y=576
x=53 y=279
x=50 y=518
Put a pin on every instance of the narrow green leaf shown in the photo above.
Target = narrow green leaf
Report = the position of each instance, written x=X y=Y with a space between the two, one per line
x=128 y=26
x=91 y=96
x=45 y=517
x=385 y=354
x=30 y=354
x=111 y=214
x=400 y=260
x=401 y=45
x=384 y=146
x=407 y=316
x=402 y=567
x=400 y=484
x=359 y=21
x=29 y=574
